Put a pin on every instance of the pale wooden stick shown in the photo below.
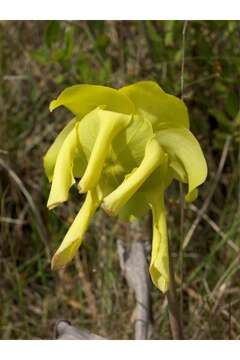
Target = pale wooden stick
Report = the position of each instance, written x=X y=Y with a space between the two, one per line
x=65 y=331
x=135 y=270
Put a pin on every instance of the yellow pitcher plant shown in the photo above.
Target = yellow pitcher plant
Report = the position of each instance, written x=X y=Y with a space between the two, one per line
x=124 y=147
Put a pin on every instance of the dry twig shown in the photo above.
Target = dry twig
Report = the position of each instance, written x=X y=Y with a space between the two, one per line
x=134 y=268
x=65 y=331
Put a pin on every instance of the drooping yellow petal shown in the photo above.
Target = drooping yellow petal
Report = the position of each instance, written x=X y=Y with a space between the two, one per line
x=181 y=145
x=74 y=236
x=109 y=125
x=50 y=158
x=161 y=109
x=63 y=172
x=81 y=99
x=154 y=156
x=159 y=265
x=191 y=196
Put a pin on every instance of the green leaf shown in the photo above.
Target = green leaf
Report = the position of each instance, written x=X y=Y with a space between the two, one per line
x=169 y=32
x=223 y=121
x=68 y=43
x=41 y=55
x=52 y=33
x=232 y=104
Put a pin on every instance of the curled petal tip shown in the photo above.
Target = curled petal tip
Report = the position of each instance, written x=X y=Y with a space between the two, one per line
x=74 y=236
x=53 y=105
x=163 y=285
x=191 y=196
x=160 y=280
x=55 y=264
x=59 y=260
x=107 y=209
x=80 y=189
x=51 y=206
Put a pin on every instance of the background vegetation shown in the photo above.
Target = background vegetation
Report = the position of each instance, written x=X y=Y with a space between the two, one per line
x=37 y=61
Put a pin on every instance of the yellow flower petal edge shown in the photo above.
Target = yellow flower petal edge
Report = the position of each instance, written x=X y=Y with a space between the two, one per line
x=111 y=124
x=74 y=236
x=161 y=109
x=181 y=144
x=191 y=196
x=81 y=99
x=159 y=265
x=50 y=158
x=154 y=156
x=63 y=172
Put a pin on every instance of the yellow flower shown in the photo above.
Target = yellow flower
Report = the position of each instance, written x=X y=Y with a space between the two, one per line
x=126 y=146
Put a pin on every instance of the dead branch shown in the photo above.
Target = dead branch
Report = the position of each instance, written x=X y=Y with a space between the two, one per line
x=65 y=331
x=135 y=270
x=134 y=267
